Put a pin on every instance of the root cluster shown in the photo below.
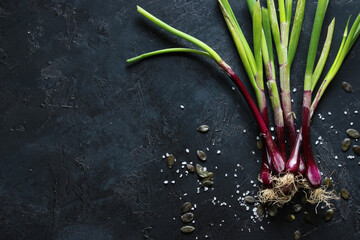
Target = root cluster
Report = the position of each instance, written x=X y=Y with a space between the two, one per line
x=284 y=187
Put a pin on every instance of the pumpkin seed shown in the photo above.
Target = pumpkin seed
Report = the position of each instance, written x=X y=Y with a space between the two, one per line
x=201 y=155
x=345 y=194
x=356 y=149
x=187 y=217
x=353 y=133
x=347 y=87
x=329 y=214
x=207 y=183
x=203 y=128
x=249 y=199
x=201 y=171
x=260 y=211
x=186 y=207
x=290 y=217
x=187 y=229
x=211 y=175
x=297 y=235
x=190 y=168
x=170 y=161
x=259 y=144
x=307 y=217
x=297 y=208
x=329 y=183
x=272 y=211
x=345 y=144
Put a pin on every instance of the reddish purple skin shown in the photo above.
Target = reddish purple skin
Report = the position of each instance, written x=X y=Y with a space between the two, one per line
x=265 y=169
x=288 y=118
x=302 y=166
x=280 y=140
x=265 y=172
x=277 y=161
x=292 y=165
x=312 y=172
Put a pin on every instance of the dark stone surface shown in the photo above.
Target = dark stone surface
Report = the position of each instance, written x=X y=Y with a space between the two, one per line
x=82 y=133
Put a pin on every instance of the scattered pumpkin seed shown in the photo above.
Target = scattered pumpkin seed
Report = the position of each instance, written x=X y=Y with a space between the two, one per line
x=353 y=133
x=297 y=235
x=170 y=161
x=201 y=155
x=203 y=128
x=260 y=211
x=259 y=144
x=249 y=199
x=201 y=171
x=207 y=183
x=211 y=175
x=297 y=208
x=307 y=217
x=345 y=194
x=345 y=144
x=186 y=207
x=356 y=149
x=187 y=217
x=272 y=211
x=190 y=168
x=187 y=229
x=290 y=217
x=329 y=214
x=329 y=183
x=347 y=87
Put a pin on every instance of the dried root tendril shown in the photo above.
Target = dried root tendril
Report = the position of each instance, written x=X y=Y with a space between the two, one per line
x=320 y=195
x=283 y=189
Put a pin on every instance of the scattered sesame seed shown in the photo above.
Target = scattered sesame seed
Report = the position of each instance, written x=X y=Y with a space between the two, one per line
x=166 y=182
x=218 y=152
x=187 y=150
x=182 y=106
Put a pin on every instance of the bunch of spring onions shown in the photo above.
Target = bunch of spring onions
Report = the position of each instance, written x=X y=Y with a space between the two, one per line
x=282 y=176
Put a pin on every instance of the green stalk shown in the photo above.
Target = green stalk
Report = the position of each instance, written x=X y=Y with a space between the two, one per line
x=178 y=33
x=252 y=62
x=288 y=8
x=250 y=4
x=323 y=56
x=282 y=12
x=275 y=30
x=285 y=50
x=268 y=57
x=315 y=35
x=345 y=46
x=230 y=19
x=257 y=38
x=296 y=30
x=168 y=50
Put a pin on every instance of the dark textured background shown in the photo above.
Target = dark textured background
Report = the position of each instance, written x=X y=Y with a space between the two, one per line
x=82 y=133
